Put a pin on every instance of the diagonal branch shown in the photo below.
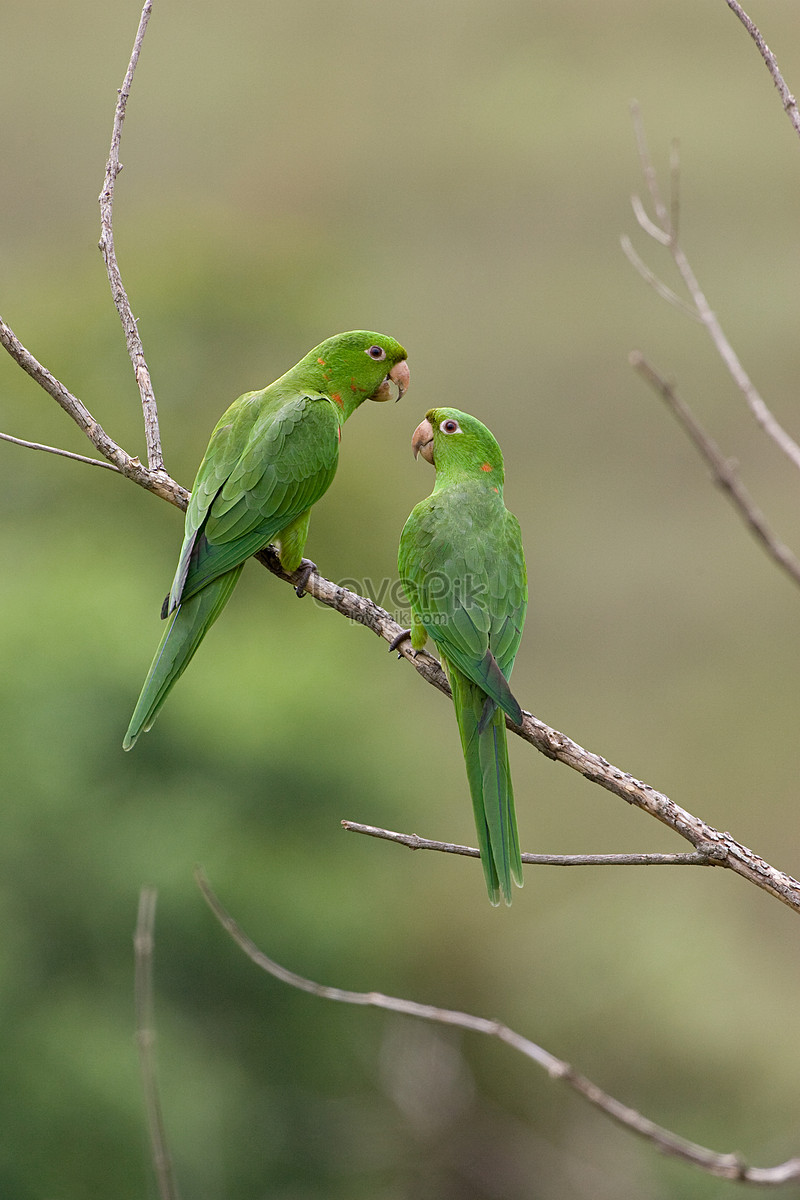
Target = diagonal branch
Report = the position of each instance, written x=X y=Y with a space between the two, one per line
x=131 y=468
x=787 y=99
x=722 y=469
x=658 y=285
x=664 y=232
x=155 y=459
x=724 y=1166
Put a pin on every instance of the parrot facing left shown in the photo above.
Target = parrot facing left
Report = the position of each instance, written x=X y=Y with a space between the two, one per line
x=272 y=455
x=462 y=565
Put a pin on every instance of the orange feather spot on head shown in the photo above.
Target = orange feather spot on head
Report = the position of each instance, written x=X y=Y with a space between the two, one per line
x=496 y=490
x=337 y=399
x=321 y=362
x=486 y=467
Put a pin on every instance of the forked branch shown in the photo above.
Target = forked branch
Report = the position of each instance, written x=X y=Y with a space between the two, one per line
x=131 y=468
x=662 y=228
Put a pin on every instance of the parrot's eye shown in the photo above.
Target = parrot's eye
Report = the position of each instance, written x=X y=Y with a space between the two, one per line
x=377 y=352
x=450 y=426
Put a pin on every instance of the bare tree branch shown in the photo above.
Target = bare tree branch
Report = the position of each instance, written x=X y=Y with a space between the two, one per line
x=665 y=233
x=725 y=1166
x=154 y=477
x=654 y=231
x=658 y=285
x=787 y=99
x=674 y=187
x=155 y=459
x=414 y=842
x=145 y=1039
x=154 y=481
x=722 y=469
x=92 y=462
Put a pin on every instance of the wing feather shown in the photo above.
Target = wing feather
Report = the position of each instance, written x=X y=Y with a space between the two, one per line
x=463 y=567
x=267 y=463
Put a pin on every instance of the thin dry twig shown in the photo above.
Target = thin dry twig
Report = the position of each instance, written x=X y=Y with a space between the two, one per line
x=414 y=842
x=722 y=469
x=787 y=99
x=155 y=459
x=154 y=481
x=659 y=287
x=664 y=231
x=154 y=477
x=145 y=1039
x=674 y=187
x=724 y=1166
x=92 y=462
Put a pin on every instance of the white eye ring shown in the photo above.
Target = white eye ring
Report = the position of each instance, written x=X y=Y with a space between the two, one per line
x=450 y=425
x=377 y=353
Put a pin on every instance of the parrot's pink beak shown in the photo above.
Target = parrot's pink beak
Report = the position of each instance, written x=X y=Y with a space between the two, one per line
x=422 y=441
x=395 y=384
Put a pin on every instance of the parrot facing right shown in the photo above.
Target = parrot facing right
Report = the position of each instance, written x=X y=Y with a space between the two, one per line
x=271 y=456
x=462 y=565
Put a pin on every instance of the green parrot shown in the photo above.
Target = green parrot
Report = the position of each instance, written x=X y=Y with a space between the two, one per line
x=270 y=458
x=463 y=568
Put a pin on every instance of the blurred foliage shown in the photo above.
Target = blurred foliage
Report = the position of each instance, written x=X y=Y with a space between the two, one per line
x=456 y=174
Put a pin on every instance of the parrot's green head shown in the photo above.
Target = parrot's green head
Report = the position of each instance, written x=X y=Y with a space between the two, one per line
x=357 y=366
x=453 y=441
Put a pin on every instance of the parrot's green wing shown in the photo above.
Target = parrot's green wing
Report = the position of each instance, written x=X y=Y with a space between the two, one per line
x=462 y=563
x=265 y=466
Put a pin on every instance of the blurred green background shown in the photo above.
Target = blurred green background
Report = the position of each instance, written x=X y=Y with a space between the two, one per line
x=457 y=175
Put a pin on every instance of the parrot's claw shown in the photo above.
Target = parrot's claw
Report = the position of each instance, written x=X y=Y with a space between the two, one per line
x=397 y=639
x=304 y=571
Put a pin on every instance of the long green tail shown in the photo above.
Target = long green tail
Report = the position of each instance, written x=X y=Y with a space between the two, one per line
x=185 y=630
x=486 y=757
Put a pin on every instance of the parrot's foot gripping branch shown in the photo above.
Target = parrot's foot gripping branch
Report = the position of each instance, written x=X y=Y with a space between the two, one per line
x=397 y=639
x=303 y=574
